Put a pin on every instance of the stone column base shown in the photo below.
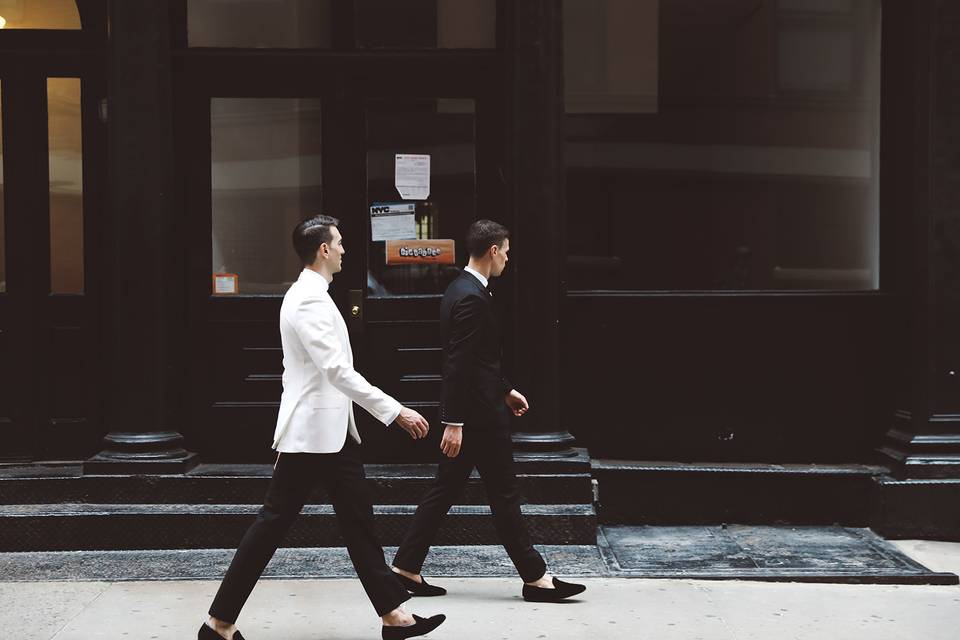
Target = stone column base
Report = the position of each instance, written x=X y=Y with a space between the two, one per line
x=153 y=452
x=544 y=445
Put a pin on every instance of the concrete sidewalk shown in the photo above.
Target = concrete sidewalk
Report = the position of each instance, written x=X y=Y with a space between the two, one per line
x=612 y=608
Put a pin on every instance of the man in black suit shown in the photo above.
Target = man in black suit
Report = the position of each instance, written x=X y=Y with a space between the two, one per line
x=477 y=399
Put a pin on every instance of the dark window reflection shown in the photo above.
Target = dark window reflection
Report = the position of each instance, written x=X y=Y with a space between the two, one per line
x=730 y=144
x=426 y=24
x=281 y=24
x=322 y=24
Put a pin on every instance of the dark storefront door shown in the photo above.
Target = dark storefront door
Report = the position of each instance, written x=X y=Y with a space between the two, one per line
x=313 y=134
x=52 y=198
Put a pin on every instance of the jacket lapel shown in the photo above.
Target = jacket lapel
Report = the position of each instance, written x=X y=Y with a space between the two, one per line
x=316 y=284
x=344 y=332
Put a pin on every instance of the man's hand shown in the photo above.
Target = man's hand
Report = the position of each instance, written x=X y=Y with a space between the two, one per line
x=450 y=443
x=517 y=403
x=413 y=423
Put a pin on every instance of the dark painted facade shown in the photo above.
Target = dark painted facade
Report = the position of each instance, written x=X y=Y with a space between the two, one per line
x=690 y=363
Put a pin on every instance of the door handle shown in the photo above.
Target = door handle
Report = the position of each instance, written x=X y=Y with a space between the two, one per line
x=356 y=304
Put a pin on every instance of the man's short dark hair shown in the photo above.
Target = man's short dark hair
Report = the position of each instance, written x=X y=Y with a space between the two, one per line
x=310 y=234
x=483 y=234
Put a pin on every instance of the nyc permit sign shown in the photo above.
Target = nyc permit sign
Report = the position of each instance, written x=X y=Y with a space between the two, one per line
x=393 y=221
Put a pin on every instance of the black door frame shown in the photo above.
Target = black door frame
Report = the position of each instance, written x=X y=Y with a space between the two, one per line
x=53 y=372
x=343 y=81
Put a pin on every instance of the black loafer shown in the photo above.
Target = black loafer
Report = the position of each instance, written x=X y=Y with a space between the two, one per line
x=415 y=588
x=208 y=633
x=421 y=627
x=561 y=590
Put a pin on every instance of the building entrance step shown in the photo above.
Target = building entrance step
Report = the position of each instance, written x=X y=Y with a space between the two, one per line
x=564 y=481
x=68 y=527
x=59 y=508
x=684 y=493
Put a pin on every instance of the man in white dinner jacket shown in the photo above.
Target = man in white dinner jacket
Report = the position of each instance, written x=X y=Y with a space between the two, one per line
x=316 y=417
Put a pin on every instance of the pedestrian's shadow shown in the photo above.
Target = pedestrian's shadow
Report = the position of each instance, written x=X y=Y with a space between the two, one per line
x=478 y=597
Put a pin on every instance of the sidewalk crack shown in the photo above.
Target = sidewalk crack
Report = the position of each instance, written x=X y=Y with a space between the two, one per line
x=722 y=618
x=83 y=608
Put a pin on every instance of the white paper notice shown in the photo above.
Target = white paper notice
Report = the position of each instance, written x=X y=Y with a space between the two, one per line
x=393 y=221
x=412 y=176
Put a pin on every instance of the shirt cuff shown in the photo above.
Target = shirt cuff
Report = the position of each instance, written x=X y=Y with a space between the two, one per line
x=395 y=415
x=453 y=424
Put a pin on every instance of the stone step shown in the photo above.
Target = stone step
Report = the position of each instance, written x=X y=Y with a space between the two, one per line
x=680 y=493
x=924 y=508
x=69 y=527
x=248 y=486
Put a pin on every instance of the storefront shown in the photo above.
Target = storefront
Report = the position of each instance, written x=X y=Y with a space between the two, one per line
x=735 y=225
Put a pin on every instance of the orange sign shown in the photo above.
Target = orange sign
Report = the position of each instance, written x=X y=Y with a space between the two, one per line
x=226 y=283
x=421 y=252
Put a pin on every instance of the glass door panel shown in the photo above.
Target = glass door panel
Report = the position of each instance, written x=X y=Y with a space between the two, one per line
x=3 y=228
x=424 y=234
x=266 y=176
x=65 y=161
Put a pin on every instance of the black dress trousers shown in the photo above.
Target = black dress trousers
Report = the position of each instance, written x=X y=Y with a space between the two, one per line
x=295 y=476
x=491 y=452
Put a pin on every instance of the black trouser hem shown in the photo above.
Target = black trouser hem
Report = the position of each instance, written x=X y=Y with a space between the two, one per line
x=386 y=611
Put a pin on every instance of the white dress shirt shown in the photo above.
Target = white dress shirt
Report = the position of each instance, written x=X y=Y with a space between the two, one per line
x=478 y=276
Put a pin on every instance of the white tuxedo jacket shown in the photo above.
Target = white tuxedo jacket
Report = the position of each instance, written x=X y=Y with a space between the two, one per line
x=320 y=384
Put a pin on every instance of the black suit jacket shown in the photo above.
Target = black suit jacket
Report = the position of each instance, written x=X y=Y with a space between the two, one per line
x=473 y=385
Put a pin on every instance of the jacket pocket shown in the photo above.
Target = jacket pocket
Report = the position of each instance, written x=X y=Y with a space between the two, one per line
x=325 y=401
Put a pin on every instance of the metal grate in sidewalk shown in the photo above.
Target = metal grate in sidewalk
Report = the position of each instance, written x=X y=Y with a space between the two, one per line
x=770 y=553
